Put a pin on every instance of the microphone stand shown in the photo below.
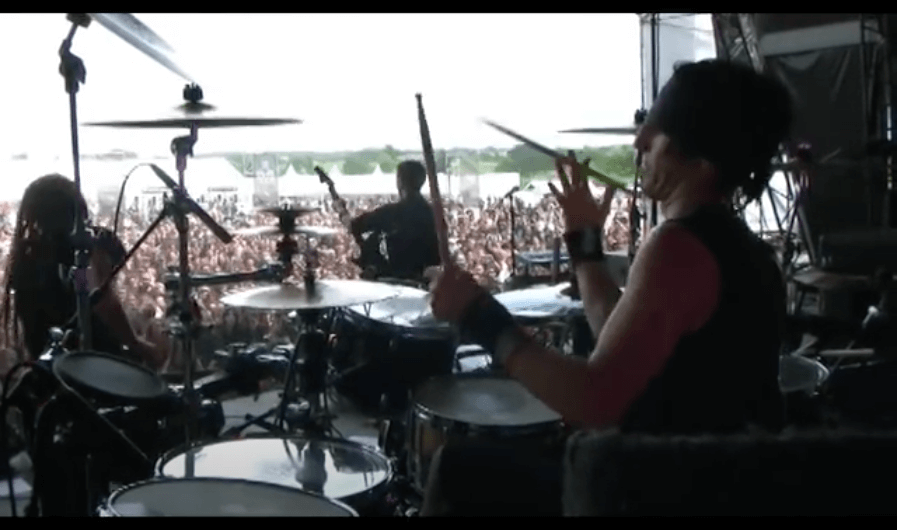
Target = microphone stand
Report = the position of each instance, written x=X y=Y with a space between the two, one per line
x=72 y=69
x=513 y=230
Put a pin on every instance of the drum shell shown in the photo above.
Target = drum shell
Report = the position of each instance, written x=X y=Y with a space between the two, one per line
x=368 y=502
x=427 y=431
x=387 y=359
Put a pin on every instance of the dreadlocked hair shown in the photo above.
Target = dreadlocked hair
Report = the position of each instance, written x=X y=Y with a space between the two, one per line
x=41 y=239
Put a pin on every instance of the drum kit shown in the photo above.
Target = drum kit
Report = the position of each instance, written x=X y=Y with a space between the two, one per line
x=133 y=445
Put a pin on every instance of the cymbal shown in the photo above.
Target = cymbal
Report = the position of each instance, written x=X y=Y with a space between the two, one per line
x=135 y=33
x=311 y=231
x=606 y=130
x=327 y=294
x=288 y=211
x=202 y=123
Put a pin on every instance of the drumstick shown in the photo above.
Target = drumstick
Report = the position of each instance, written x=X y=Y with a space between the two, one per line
x=557 y=156
x=438 y=212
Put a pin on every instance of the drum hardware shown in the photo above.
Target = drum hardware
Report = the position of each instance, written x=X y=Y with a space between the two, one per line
x=82 y=441
x=72 y=69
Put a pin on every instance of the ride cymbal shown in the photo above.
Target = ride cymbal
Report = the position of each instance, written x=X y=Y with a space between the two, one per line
x=288 y=211
x=327 y=294
x=275 y=231
x=202 y=123
x=605 y=130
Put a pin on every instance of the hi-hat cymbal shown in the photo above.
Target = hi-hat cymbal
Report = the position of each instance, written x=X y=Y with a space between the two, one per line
x=288 y=211
x=202 y=123
x=135 y=33
x=606 y=130
x=327 y=294
x=311 y=231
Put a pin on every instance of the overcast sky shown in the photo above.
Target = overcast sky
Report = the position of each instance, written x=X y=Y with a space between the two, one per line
x=350 y=78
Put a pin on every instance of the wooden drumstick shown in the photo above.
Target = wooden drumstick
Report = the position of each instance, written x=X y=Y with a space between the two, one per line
x=430 y=161
x=557 y=156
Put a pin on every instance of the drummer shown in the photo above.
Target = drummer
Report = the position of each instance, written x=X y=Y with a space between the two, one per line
x=692 y=345
x=408 y=225
x=39 y=294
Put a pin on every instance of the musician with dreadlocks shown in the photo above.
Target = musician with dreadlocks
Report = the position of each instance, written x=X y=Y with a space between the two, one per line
x=39 y=294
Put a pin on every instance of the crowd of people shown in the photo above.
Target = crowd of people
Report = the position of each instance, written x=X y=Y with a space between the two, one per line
x=480 y=240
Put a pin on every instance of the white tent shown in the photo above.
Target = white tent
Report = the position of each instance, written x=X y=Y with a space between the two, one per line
x=497 y=184
x=377 y=170
x=204 y=177
x=300 y=185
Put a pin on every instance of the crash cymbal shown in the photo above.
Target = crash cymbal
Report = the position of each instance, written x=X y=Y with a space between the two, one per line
x=135 y=33
x=202 y=123
x=311 y=231
x=606 y=130
x=327 y=294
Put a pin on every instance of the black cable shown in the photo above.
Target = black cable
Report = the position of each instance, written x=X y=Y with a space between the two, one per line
x=121 y=196
x=4 y=406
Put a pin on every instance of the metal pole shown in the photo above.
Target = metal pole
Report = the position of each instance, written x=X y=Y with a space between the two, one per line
x=865 y=106
x=655 y=77
x=889 y=160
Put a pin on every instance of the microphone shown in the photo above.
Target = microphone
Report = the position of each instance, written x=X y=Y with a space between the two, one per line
x=192 y=206
x=514 y=190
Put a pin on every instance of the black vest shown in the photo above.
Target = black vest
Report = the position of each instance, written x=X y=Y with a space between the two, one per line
x=723 y=377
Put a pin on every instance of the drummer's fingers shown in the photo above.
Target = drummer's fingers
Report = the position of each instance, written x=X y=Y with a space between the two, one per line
x=432 y=274
x=562 y=175
x=557 y=194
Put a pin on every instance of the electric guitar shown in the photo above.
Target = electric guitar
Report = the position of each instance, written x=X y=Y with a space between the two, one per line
x=370 y=259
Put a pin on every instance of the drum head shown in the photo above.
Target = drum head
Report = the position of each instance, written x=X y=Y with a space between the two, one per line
x=209 y=497
x=333 y=468
x=410 y=309
x=483 y=401
x=109 y=376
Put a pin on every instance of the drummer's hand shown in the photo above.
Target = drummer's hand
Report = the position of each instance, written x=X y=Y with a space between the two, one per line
x=581 y=210
x=452 y=290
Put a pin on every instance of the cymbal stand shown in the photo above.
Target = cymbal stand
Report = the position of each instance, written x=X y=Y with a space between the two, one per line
x=311 y=348
x=184 y=328
x=72 y=69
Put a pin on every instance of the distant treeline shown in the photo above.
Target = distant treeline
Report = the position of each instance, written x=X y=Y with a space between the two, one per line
x=615 y=161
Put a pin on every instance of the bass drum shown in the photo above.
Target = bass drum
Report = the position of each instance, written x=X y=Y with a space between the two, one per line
x=387 y=348
x=348 y=472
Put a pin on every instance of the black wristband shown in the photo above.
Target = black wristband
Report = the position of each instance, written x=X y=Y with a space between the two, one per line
x=585 y=245
x=485 y=321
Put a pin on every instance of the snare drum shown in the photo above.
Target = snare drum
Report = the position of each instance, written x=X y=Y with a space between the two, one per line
x=390 y=347
x=214 y=497
x=470 y=407
x=337 y=469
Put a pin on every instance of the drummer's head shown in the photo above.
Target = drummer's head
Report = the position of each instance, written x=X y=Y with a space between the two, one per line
x=713 y=131
x=410 y=178
x=43 y=229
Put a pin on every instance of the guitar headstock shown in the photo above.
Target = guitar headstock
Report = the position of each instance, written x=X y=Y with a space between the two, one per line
x=323 y=176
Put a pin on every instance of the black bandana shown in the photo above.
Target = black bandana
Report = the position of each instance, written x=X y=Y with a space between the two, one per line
x=719 y=114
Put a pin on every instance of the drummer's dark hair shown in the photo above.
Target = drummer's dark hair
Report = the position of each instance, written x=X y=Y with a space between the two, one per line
x=412 y=175
x=42 y=235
